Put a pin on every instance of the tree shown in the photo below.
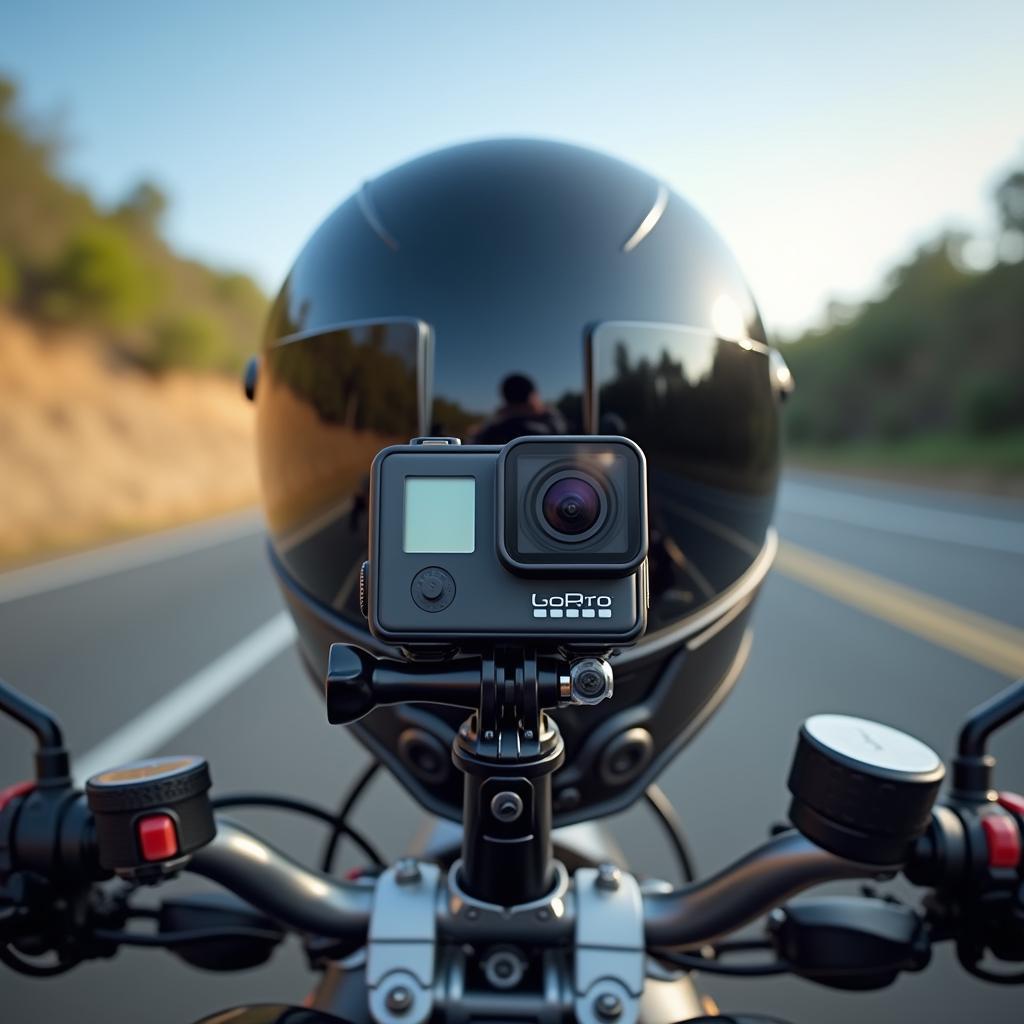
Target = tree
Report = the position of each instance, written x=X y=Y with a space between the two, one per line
x=1010 y=202
x=144 y=206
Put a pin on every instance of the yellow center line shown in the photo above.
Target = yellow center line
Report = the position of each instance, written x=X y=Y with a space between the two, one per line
x=986 y=641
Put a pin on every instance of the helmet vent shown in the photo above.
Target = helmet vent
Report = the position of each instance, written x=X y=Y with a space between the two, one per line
x=647 y=225
x=372 y=217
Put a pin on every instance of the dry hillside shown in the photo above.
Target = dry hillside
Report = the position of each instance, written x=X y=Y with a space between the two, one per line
x=90 y=450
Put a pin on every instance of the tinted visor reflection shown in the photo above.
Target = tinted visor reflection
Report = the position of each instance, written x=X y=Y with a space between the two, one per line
x=704 y=412
x=326 y=404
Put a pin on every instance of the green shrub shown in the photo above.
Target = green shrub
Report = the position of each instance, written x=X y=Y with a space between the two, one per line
x=190 y=341
x=990 y=403
x=99 y=279
x=8 y=279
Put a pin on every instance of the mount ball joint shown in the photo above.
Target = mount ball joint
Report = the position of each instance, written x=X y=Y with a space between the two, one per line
x=860 y=789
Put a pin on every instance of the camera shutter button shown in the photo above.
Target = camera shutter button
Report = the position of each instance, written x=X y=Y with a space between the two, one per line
x=433 y=589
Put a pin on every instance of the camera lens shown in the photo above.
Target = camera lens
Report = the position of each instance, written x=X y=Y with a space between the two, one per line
x=571 y=505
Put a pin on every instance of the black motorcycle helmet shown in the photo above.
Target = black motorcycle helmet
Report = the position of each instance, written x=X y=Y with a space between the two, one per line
x=523 y=287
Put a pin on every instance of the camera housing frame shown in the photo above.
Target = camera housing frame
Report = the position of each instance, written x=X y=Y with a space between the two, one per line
x=480 y=599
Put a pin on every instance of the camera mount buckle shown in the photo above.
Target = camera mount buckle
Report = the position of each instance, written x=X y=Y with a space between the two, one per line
x=507 y=749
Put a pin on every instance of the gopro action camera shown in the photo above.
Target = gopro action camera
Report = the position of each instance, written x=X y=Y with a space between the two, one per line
x=541 y=542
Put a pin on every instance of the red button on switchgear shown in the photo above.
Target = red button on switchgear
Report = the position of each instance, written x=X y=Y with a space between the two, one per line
x=158 y=838
x=18 y=789
x=1003 y=839
x=1013 y=802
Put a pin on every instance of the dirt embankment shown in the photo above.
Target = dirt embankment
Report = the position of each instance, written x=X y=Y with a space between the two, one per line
x=90 y=450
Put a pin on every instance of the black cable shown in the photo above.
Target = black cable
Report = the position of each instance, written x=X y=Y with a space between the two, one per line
x=150 y=913
x=741 y=945
x=341 y=827
x=693 y=962
x=673 y=826
x=23 y=966
x=994 y=977
x=182 y=938
x=284 y=803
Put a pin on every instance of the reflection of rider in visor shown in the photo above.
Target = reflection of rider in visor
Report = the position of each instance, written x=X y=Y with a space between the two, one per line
x=524 y=412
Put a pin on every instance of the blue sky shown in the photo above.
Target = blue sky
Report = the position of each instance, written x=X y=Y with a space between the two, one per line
x=822 y=142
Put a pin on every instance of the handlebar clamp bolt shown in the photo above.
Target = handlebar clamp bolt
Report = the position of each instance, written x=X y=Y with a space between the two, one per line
x=608 y=1006
x=407 y=871
x=608 y=877
x=398 y=1000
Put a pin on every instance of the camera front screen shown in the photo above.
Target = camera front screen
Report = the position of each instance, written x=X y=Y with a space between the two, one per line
x=440 y=515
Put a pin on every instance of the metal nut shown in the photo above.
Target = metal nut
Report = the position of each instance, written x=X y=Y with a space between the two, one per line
x=608 y=877
x=504 y=968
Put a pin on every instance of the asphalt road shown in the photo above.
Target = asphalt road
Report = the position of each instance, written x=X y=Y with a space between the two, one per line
x=893 y=603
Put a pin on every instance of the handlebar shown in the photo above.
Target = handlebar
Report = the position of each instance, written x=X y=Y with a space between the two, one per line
x=303 y=900
x=970 y=858
x=308 y=901
x=339 y=911
x=756 y=883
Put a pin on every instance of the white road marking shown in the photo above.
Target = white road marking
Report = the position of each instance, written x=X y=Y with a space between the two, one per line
x=127 y=554
x=175 y=711
x=988 y=532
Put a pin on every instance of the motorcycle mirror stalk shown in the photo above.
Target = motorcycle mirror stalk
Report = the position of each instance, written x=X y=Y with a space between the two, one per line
x=141 y=820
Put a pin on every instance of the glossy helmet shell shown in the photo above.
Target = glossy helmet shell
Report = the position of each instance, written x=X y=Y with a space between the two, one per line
x=510 y=256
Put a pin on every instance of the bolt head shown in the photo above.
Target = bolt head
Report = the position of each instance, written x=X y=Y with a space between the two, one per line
x=399 y=999
x=608 y=1006
x=407 y=871
x=507 y=806
x=608 y=877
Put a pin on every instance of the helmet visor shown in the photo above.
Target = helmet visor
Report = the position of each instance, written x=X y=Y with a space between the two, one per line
x=326 y=404
x=704 y=411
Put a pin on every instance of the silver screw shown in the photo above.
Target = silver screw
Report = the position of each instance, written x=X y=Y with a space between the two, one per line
x=489 y=735
x=407 y=871
x=608 y=1006
x=399 y=999
x=608 y=877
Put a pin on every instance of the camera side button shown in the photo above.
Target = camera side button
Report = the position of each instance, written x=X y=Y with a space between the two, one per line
x=433 y=589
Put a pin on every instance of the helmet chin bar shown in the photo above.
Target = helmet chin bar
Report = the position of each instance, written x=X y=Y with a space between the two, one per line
x=507 y=749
